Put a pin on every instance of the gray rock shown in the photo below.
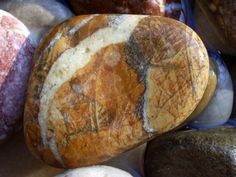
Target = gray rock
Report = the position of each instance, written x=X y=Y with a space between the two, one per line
x=208 y=153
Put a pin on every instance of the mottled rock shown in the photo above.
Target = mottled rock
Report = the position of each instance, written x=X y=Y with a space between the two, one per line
x=104 y=84
x=177 y=9
x=16 y=53
x=216 y=24
x=206 y=153
x=96 y=171
x=38 y=16
x=219 y=109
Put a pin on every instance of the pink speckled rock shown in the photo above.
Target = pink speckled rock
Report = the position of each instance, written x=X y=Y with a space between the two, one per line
x=16 y=53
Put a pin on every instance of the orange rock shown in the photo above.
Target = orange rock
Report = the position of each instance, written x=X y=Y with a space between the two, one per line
x=103 y=84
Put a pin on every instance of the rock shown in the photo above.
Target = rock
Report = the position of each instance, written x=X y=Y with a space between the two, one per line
x=96 y=171
x=206 y=153
x=16 y=53
x=216 y=24
x=219 y=109
x=104 y=84
x=177 y=9
x=38 y=16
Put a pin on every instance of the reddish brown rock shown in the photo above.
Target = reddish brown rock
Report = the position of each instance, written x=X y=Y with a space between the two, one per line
x=16 y=53
x=103 y=84
x=176 y=9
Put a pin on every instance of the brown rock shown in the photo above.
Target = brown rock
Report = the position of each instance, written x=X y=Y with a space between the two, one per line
x=216 y=24
x=103 y=84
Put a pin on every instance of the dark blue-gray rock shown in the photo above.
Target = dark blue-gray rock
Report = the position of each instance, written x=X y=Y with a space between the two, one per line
x=206 y=153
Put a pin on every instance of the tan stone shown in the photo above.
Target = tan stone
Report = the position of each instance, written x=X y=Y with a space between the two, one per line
x=103 y=84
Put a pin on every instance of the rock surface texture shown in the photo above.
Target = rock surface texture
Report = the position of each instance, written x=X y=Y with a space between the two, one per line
x=207 y=153
x=96 y=171
x=38 y=16
x=216 y=24
x=103 y=84
x=16 y=53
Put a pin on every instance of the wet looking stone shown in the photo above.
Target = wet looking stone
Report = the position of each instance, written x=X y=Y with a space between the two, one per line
x=205 y=153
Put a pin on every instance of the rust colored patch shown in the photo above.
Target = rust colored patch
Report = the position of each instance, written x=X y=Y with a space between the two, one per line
x=101 y=98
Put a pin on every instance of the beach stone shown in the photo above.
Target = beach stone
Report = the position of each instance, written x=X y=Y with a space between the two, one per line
x=38 y=16
x=205 y=153
x=103 y=84
x=96 y=171
x=16 y=52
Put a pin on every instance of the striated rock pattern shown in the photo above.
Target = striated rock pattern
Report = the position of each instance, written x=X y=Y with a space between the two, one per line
x=103 y=84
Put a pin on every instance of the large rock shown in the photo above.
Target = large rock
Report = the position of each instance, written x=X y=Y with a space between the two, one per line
x=207 y=153
x=103 y=84
x=216 y=24
x=16 y=52
x=219 y=109
x=38 y=16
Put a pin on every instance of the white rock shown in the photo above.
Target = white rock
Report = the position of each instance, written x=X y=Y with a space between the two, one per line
x=95 y=171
